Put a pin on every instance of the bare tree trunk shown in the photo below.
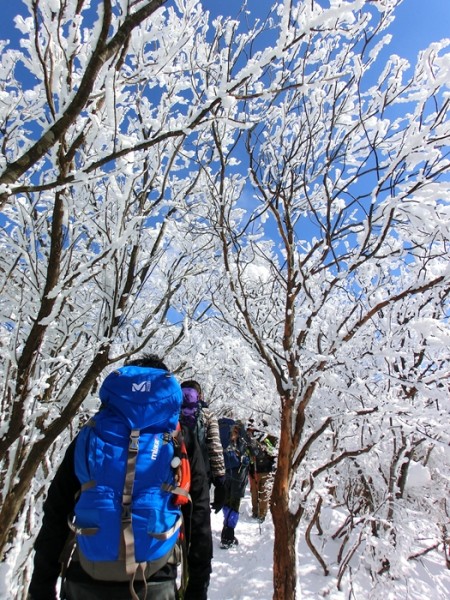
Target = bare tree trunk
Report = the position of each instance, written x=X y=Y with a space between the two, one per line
x=28 y=462
x=284 y=555
x=285 y=523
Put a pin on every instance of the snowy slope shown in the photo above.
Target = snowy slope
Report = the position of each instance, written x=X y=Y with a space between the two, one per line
x=245 y=572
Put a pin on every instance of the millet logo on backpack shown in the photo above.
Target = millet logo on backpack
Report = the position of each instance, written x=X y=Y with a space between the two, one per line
x=145 y=386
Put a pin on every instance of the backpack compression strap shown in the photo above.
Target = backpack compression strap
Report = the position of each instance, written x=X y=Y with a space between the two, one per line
x=71 y=521
x=131 y=565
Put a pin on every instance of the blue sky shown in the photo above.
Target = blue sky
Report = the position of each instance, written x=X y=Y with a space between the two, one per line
x=418 y=22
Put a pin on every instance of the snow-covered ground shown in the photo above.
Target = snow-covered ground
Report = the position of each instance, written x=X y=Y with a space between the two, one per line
x=244 y=572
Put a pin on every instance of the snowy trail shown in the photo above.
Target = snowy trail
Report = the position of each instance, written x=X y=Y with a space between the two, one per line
x=243 y=572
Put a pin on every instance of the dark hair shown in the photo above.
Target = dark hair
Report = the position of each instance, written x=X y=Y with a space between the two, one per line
x=151 y=361
x=191 y=383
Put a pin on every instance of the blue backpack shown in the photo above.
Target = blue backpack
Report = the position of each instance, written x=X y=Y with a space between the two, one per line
x=126 y=520
x=234 y=451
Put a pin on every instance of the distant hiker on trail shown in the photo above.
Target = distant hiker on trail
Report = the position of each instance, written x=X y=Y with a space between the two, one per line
x=261 y=468
x=116 y=501
x=237 y=460
x=196 y=415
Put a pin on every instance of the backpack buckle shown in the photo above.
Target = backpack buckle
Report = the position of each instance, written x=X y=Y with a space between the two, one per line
x=126 y=512
x=134 y=440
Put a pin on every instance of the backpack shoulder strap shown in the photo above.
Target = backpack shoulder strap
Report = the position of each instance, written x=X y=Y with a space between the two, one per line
x=128 y=536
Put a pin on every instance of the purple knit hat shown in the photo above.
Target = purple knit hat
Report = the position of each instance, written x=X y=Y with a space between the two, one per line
x=190 y=406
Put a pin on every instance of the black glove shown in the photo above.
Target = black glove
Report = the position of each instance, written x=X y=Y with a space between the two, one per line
x=196 y=590
x=219 y=496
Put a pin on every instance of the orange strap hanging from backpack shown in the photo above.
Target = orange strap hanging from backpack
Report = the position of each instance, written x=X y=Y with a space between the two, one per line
x=182 y=470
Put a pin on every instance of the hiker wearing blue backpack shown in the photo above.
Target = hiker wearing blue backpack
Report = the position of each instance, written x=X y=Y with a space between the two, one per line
x=129 y=495
x=237 y=455
x=196 y=415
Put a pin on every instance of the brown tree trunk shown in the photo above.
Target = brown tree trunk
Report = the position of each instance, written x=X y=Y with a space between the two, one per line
x=284 y=555
x=285 y=523
x=13 y=499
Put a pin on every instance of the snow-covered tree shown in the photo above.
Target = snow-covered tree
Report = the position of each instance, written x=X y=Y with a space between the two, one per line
x=99 y=261
x=168 y=186
x=335 y=253
x=103 y=109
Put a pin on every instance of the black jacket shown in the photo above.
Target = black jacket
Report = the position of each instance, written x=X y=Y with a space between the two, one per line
x=60 y=503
